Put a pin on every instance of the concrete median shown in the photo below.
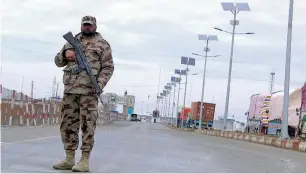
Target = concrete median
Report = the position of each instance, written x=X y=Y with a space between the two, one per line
x=271 y=141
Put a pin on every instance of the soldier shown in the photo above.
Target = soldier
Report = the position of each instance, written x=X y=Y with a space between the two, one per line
x=79 y=104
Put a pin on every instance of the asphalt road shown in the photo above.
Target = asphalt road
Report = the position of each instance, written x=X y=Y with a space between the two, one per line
x=145 y=147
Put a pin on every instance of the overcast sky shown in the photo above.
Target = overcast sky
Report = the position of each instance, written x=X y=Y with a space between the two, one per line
x=147 y=35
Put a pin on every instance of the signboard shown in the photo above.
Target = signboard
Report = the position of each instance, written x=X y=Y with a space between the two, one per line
x=131 y=100
x=274 y=125
x=304 y=122
x=130 y=110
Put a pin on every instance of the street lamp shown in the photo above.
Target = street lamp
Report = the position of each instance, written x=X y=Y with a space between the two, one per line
x=162 y=104
x=207 y=39
x=157 y=101
x=284 y=130
x=158 y=107
x=169 y=89
x=234 y=8
x=174 y=80
x=178 y=79
x=188 y=61
x=165 y=102
x=165 y=91
x=204 y=56
x=219 y=29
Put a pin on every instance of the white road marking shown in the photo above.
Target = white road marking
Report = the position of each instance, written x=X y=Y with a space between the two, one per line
x=29 y=140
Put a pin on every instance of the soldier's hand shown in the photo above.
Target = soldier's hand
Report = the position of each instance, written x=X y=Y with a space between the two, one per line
x=101 y=88
x=100 y=85
x=70 y=55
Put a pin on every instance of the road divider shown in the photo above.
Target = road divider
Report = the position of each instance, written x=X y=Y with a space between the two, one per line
x=271 y=141
x=41 y=120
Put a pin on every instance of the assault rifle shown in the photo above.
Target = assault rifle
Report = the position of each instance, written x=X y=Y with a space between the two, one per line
x=82 y=62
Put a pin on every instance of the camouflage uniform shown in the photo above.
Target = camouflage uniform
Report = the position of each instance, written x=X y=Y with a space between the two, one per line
x=79 y=105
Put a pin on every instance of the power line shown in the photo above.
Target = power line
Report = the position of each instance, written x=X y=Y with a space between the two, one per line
x=248 y=79
x=159 y=55
x=137 y=86
x=208 y=76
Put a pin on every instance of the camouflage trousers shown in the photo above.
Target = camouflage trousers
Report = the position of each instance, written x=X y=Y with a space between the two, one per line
x=78 y=111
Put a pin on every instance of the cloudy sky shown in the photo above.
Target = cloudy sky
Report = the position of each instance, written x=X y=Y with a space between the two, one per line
x=149 y=35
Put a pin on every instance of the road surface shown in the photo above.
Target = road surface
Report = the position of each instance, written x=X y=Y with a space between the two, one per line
x=145 y=147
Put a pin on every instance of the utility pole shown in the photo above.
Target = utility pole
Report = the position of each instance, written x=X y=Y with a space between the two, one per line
x=234 y=8
x=157 y=97
x=188 y=62
x=169 y=87
x=53 y=86
x=284 y=130
x=173 y=105
x=207 y=39
x=56 y=92
x=182 y=123
x=32 y=86
x=178 y=98
x=22 y=84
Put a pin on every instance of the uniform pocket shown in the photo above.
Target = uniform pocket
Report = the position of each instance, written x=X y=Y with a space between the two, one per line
x=93 y=56
x=67 y=78
x=95 y=52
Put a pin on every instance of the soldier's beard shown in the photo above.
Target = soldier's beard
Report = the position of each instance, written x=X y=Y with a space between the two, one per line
x=88 y=33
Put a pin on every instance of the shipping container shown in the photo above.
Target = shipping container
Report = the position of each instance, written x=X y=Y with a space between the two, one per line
x=208 y=111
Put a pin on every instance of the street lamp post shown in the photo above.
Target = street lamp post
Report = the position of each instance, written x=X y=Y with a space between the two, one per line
x=174 y=81
x=169 y=92
x=284 y=131
x=157 y=100
x=162 y=104
x=166 y=98
x=165 y=103
x=206 y=38
x=188 y=61
x=234 y=8
x=178 y=79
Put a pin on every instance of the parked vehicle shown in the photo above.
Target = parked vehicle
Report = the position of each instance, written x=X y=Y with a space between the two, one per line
x=208 y=113
x=134 y=117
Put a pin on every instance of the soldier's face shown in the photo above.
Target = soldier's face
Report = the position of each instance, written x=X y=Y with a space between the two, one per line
x=88 y=29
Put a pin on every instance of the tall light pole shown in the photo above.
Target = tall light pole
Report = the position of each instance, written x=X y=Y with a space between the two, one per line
x=234 y=8
x=165 y=102
x=207 y=39
x=284 y=131
x=169 y=87
x=178 y=79
x=202 y=98
x=162 y=104
x=188 y=61
x=157 y=97
x=174 y=80
x=166 y=97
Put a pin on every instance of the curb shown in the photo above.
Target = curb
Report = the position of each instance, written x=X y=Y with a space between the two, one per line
x=285 y=144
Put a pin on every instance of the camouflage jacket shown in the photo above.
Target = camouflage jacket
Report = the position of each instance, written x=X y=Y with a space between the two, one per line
x=99 y=57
